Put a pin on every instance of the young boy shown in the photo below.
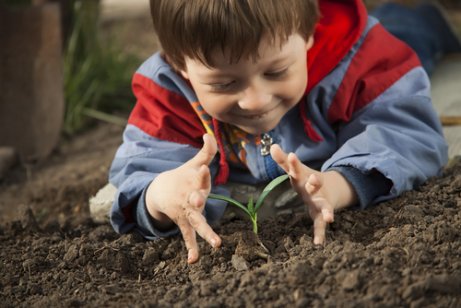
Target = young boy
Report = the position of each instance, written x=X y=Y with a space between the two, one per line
x=240 y=84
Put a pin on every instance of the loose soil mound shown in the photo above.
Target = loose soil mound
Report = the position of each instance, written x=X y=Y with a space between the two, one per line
x=401 y=253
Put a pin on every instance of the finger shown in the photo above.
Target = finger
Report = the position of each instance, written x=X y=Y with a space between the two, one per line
x=280 y=157
x=204 y=178
x=295 y=165
x=313 y=184
x=188 y=234
x=319 y=229
x=200 y=225
x=196 y=199
x=328 y=215
x=326 y=209
x=207 y=152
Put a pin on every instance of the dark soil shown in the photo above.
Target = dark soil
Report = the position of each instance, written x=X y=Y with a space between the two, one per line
x=401 y=253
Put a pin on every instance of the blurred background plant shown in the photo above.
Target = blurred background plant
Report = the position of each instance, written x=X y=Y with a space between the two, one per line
x=97 y=75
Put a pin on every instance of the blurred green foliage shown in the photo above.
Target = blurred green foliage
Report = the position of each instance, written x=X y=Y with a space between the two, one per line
x=97 y=75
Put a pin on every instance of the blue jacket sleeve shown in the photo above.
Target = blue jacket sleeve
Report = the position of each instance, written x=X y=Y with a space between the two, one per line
x=368 y=186
x=398 y=135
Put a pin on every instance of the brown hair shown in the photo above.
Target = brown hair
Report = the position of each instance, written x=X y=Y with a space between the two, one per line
x=196 y=28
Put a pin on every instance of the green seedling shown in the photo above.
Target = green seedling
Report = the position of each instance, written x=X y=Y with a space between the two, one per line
x=252 y=209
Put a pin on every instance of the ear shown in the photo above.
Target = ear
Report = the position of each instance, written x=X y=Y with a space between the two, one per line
x=310 y=42
x=175 y=67
x=184 y=74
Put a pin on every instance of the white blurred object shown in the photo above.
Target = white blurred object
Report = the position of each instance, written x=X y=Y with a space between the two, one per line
x=446 y=96
x=122 y=9
x=101 y=203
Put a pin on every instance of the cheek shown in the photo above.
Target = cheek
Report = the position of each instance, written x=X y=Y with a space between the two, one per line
x=207 y=100
x=301 y=84
x=215 y=105
x=295 y=88
x=302 y=74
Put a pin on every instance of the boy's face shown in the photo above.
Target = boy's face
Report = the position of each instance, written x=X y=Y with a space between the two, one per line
x=252 y=94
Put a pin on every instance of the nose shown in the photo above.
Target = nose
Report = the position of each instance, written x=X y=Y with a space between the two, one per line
x=255 y=97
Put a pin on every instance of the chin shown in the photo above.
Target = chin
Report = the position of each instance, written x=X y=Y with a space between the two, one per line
x=253 y=130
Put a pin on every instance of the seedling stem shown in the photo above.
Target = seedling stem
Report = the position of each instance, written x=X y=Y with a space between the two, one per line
x=252 y=209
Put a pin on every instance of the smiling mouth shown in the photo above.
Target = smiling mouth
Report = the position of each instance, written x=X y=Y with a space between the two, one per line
x=255 y=116
x=258 y=115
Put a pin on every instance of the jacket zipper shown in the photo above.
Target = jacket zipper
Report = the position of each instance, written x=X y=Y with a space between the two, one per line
x=266 y=142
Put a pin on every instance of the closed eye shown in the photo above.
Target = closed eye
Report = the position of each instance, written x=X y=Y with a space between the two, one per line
x=276 y=74
x=222 y=86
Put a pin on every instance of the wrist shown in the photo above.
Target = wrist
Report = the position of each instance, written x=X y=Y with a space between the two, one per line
x=160 y=220
x=340 y=190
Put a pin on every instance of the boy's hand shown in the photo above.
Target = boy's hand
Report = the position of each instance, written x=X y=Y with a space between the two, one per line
x=179 y=196
x=322 y=192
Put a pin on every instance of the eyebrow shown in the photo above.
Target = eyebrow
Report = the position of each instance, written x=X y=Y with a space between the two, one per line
x=278 y=61
x=210 y=76
x=215 y=72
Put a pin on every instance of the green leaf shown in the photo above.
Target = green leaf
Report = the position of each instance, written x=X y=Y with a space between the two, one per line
x=274 y=183
x=250 y=206
x=231 y=201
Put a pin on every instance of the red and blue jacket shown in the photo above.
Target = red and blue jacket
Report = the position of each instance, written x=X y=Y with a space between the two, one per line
x=366 y=112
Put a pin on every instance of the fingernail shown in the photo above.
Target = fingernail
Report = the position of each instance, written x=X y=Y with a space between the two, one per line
x=214 y=242
x=190 y=258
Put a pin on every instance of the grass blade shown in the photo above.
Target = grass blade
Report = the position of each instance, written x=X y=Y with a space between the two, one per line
x=102 y=116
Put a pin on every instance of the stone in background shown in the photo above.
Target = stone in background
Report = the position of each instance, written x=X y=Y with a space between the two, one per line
x=31 y=79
